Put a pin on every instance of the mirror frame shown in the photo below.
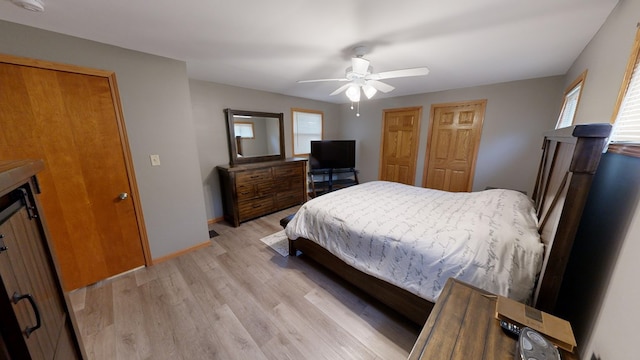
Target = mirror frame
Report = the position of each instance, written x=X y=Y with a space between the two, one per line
x=233 y=149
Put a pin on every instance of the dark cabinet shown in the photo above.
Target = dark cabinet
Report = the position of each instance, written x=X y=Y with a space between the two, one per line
x=34 y=315
x=322 y=181
x=253 y=190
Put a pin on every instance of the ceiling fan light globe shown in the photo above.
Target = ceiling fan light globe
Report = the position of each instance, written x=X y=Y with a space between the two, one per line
x=353 y=93
x=369 y=91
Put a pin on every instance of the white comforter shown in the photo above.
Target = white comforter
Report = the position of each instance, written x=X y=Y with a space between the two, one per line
x=417 y=238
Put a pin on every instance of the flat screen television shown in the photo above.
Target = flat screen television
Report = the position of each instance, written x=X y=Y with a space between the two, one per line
x=336 y=154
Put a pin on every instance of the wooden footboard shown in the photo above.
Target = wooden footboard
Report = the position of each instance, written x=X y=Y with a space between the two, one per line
x=407 y=304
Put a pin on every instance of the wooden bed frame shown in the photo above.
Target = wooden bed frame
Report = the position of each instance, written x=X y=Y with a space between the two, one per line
x=570 y=157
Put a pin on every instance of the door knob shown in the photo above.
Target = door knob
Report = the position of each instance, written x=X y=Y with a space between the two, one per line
x=123 y=196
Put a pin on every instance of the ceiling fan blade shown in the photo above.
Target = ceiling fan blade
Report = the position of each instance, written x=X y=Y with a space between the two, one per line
x=359 y=65
x=379 y=85
x=399 y=73
x=340 y=89
x=320 y=80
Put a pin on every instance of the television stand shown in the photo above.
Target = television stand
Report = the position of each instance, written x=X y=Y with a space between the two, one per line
x=322 y=181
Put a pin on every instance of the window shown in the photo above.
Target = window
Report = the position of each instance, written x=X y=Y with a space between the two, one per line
x=243 y=129
x=625 y=137
x=571 y=99
x=307 y=126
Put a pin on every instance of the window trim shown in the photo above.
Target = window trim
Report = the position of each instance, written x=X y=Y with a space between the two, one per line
x=579 y=81
x=293 y=127
x=626 y=148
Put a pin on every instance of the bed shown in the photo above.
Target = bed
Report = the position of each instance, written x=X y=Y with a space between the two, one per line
x=401 y=243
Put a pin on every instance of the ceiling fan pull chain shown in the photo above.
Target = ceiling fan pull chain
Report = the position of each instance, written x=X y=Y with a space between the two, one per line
x=358 y=111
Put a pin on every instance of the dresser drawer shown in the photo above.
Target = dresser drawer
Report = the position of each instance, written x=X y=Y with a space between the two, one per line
x=255 y=207
x=254 y=176
x=250 y=191
x=288 y=171
x=289 y=198
x=287 y=184
x=246 y=191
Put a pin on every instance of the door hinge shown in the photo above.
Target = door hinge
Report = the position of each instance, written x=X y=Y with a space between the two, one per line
x=31 y=210
x=3 y=247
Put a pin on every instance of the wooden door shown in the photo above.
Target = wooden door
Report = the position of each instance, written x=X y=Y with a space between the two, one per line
x=399 y=148
x=452 y=149
x=70 y=117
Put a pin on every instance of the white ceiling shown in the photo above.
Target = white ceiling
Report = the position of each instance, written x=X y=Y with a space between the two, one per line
x=270 y=44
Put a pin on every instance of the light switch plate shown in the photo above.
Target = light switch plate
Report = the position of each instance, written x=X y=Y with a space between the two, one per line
x=155 y=159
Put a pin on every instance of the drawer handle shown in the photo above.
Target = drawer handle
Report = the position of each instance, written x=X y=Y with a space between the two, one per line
x=255 y=176
x=16 y=298
x=257 y=206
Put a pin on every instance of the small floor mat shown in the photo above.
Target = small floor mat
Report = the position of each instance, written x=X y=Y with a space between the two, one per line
x=278 y=242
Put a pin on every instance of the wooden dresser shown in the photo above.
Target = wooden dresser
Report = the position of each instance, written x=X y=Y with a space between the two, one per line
x=35 y=316
x=253 y=190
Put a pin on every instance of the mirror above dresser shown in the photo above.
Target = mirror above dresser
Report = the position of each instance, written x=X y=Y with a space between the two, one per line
x=254 y=136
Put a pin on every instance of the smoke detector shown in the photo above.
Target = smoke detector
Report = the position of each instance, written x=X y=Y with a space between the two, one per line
x=31 y=5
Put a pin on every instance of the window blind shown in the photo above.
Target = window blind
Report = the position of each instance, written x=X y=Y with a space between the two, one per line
x=306 y=127
x=244 y=130
x=626 y=128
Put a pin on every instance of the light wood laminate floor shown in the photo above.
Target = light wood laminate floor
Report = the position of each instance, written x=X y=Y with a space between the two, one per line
x=237 y=299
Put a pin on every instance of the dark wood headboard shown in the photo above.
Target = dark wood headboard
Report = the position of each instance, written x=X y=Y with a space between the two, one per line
x=570 y=158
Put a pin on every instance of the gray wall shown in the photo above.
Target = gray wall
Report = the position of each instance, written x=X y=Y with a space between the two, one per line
x=606 y=56
x=208 y=102
x=155 y=97
x=258 y=145
x=517 y=115
x=273 y=136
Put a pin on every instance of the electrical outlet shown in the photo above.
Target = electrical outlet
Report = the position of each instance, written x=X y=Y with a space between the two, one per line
x=155 y=159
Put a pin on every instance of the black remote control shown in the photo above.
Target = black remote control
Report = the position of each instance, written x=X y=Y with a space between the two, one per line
x=510 y=329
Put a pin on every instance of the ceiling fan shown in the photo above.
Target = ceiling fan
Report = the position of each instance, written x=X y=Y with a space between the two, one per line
x=360 y=75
